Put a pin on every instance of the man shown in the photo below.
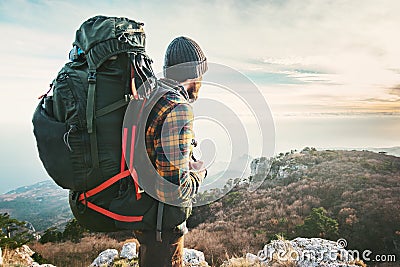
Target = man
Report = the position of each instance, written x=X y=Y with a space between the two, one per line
x=169 y=138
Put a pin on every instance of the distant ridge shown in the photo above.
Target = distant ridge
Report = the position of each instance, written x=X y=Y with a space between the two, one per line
x=358 y=191
x=44 y=204
x=37 y=186
x=394 y=151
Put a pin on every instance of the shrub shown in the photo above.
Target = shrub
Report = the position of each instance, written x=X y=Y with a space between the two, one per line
x=13 y=233
x=318 y=224
x=51 y=235
x=73 y=231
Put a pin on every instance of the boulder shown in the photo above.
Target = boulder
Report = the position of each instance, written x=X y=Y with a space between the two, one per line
x=106 y=258
x=191 y=257
x=194 y=258
x=23 y=255
x=305 y=252
x=129 y=251
x=251 y=258
x=35 y=264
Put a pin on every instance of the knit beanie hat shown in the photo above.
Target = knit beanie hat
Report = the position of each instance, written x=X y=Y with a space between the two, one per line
x=184 y=60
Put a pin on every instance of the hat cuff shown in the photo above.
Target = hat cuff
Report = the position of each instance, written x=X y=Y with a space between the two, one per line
x=185 y=71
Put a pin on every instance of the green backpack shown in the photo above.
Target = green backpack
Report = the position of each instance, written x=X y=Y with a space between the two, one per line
x=82 y=138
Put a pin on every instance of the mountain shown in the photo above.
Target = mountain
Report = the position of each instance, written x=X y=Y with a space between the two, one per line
x=332 y=194
x=43 y=204
x=394 y=151
x=358 y=190
x=220 y=173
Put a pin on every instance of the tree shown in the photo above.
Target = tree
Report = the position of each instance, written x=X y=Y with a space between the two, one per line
x=73 y=231
x=51 y=235
x=13 y=233
x=318 y=224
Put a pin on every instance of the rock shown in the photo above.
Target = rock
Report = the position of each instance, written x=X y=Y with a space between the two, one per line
x=35 y=264
x=305 y=252
x=238 y=262
x=25 y=250
x=191 y=257
x=106 y=257
x=194 y=258
x=129 y=251
x=23 y=255
x=251 y=258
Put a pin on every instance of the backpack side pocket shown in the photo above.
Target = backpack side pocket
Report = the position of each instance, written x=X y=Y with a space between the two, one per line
x=53 y=151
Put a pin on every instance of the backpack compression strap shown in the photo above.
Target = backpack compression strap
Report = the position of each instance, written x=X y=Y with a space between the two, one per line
x=83 y=197
x=90 y=116
x=90 y=112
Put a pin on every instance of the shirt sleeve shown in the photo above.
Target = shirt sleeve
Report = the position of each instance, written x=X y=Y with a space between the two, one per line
x=172 y=151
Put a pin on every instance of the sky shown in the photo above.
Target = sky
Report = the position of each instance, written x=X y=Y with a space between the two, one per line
x=329 y=71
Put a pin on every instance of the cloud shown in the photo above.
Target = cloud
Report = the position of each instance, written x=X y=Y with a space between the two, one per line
x=395 y=90
x=323 y=33
x=330 y=52
x=382 y=100
x=307 y=57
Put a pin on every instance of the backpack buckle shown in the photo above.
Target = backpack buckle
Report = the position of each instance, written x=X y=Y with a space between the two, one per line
x=92 y=77
x=158 y=236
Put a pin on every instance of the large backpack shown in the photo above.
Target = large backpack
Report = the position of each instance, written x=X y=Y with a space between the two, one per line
x=82 y=138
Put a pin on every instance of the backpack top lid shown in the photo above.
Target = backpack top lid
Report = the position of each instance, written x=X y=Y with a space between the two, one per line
x=101 y=37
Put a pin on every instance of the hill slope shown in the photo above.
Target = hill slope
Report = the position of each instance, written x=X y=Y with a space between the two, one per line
x=43 y=204
x=360 y=190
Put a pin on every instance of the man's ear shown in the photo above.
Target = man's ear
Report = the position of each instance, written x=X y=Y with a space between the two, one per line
x=199 y=82
x=191 y=84
x=194 y=82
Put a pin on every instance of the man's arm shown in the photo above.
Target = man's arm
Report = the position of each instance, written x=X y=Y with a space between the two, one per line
x=173 y=155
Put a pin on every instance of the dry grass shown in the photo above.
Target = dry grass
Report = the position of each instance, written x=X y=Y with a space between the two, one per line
x=82 y=254
x=17 y=257
x=240 y=262
x=221 y=241
x=10 y=260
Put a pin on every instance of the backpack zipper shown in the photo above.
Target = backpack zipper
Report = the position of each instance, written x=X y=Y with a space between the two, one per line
x=84 y=137
x=72 y=128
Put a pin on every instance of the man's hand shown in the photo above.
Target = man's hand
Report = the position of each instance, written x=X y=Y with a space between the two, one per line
x=198 y=168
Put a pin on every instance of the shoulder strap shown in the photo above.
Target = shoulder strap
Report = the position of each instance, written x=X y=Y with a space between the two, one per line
x=160 y=213
x=173 y=86
x=164 y=86
x=90 y=112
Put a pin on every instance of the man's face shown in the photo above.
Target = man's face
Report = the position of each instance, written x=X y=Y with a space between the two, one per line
x=193 y=89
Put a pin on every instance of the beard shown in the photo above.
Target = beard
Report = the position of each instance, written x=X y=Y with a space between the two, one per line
x=193 y=91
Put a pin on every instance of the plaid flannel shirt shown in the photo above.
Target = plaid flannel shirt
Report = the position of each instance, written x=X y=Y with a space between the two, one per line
x=169 y=136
